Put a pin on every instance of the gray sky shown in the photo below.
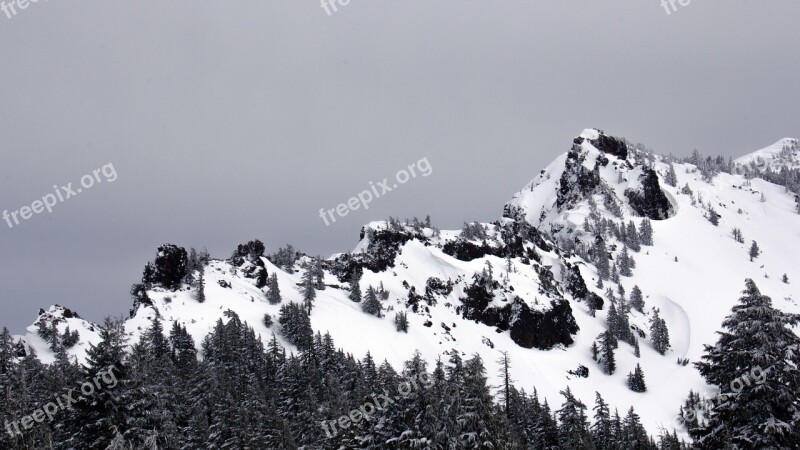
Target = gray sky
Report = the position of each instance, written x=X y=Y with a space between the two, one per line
x=227 y=121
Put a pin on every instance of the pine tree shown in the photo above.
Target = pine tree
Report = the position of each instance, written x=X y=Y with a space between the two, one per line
x=371 y=303
x=625 y=263
x=401 y=322
x=637 y=299
x=632 y=237
x=785 y=278
x=505 y=388
x=274 y=291
x=573 y=425
x=636 y=380
x=95 y=416
x=671 y=178
x=755 y=251
x=756 y=358
x=601 y=428
x=308 y=290
x=646 y=232
x=355 y=288
x=606 y=359
x=319 y=274
x=737 y=235
x=634 y=436
x=200 y=284
x=601 y=258
x=296 y=326
x=659 y=334
x=713 y=217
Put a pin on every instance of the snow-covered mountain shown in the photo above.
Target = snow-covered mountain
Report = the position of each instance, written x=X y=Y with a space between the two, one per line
x=528 y=283
x=784 y=153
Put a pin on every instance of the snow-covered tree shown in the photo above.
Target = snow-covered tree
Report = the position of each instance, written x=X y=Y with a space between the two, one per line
x=401 y=322
x=274 y=291
x=637 y=299
x=671 y=178
x=755 y=251
x=636 y=380
x=200 y=285
x=646 y=232
x=756 y=364
x=371 y=303
x=573 y=425
x=606 y=357
x=355 y=287
x=308 y=289
x=737 y=235
x=659 y=334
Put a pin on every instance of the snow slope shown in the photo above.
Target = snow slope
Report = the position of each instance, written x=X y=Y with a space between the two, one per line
x=693 y=274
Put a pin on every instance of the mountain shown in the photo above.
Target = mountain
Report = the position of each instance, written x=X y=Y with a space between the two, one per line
x=784 y=153
x=606 y=213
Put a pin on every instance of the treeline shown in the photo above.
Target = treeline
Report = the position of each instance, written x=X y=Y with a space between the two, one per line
x=242 y=394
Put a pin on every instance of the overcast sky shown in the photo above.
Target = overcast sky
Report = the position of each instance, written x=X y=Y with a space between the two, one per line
x=227 y=121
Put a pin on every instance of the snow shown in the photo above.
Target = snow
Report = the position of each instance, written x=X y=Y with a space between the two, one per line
x=772 y=156
x=693 y=294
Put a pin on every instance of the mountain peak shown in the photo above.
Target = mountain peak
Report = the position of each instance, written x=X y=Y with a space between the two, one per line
x=784 y=153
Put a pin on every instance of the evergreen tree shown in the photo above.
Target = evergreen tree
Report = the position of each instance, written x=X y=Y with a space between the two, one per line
x=671 y=178
x=573 y=426
x=646 y=232
x=355 y=288
x=371 y=303
x=756 y=358
x=69 y=338
x=634 y=436
x=200 y=284
x=309 y=290
x=632 y=237
x=296 y=326
x=659 y=334
x=636 y=380
x=601 y=431
x=94 y=417
x=601 y=258
x=401 y=322
x=755 y=251
x=713 y=217
x=274 y=291
x=737 y=235
x=625 y=263
x=785 y=278
x=319 y=274
x=505 y=387
x=606 y=357
x=637 y=299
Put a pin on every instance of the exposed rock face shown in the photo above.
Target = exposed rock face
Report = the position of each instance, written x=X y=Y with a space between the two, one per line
x=650 y=201
x=577 y=181
x=247 y=258
x=611 y=145
x=543 y=330
x=529 y=329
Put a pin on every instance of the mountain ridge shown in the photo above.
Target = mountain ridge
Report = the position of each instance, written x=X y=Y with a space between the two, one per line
x=519 y=284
